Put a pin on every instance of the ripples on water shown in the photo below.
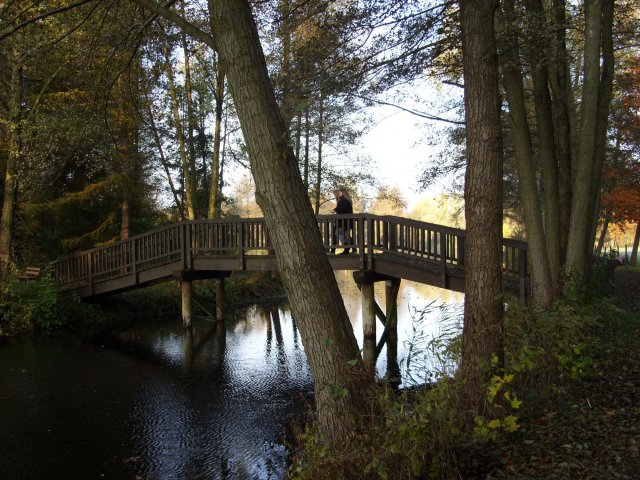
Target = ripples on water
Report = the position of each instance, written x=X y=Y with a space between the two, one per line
x=155 y=403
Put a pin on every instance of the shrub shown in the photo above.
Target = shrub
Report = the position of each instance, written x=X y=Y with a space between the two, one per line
x=39 y=306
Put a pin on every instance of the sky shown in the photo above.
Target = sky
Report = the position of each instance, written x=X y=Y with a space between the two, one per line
x=397 y=143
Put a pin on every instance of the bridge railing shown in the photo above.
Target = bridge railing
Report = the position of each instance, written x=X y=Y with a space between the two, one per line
x=368 y=236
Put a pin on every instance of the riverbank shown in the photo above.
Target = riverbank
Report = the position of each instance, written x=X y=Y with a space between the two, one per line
x=591 y=429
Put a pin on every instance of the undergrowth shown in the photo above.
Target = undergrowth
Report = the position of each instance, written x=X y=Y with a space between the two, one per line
x=417 y=433
x=41 y=306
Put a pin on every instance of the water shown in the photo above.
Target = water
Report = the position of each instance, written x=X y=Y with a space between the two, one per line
x=154 y=403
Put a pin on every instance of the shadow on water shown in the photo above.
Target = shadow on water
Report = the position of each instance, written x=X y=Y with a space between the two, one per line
x=158 y=402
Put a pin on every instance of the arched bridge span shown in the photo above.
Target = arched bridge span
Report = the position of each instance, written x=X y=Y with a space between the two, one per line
x=385 y=246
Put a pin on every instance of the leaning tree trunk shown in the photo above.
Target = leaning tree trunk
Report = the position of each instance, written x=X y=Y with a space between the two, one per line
x=316 y=303
x=482 y=335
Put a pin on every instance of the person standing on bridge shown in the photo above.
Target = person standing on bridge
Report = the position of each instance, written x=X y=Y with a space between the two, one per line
x=342 y=228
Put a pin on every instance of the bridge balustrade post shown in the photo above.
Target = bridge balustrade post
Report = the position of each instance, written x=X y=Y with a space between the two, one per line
x=91 y=269
x=372 y=227
x=443 y=259
x=187 y=246
x=241 y=245
x=461 y=246
x=365 y=256
x=134 y=261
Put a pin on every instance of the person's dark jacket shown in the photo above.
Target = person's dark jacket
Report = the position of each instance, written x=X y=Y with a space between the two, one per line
x=344 y=207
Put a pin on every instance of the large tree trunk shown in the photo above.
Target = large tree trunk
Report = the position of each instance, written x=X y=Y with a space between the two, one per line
x=482 y=335
x=316 y=303
x=581 y=213
x=541 y=282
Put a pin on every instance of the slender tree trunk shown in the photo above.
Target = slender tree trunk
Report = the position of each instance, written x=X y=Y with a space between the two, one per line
x=604 y=101
x=316 y=303
x=191 y=170
x=320 y=141
x=580 y=223
x=541 y=282
x=603 y=232
x=163 y=160
x=559 y=87
x=307 y=135
x=186 y=171
x=10 y=176
x=482 y=335
x=298 y=138
x=633 y=261
x=217 y=141
x=538 y=50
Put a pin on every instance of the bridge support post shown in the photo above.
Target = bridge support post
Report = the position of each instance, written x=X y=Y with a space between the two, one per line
x=369 y=323
x=391 y=288
x=186 y=303
x=220 y=300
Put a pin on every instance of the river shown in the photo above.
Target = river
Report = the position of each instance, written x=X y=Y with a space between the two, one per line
x=156 y=403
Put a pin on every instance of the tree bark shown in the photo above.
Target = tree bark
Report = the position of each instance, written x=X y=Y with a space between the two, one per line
x=10 y=176
x=560 y=103
x=482 y=335
x=541 y=282
x=538 y=49
x=217 y=142
x=193 y=181
x=184 y=158
x=307 y=275
x=603 y=233
x=320 y=140
x=633 y=261
x=604 y=101
x=581 y=214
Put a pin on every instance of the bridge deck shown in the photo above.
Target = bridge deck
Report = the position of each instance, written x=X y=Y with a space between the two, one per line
x=390 y=246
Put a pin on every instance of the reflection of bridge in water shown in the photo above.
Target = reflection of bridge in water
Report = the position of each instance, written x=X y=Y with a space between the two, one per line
x=383 y=248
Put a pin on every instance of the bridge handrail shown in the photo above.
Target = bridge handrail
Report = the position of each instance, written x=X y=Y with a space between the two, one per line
x=369 y=233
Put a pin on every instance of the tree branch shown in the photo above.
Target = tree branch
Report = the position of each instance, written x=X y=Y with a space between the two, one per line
x=181 y=22
x=427 y=116
x=43 y=16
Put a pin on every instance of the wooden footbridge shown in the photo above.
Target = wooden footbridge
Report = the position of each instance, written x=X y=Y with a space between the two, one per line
x=383 y=246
